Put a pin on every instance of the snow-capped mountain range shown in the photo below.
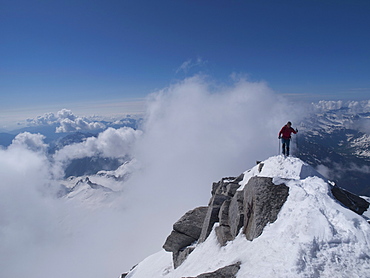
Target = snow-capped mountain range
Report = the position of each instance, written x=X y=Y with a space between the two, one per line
x=335 y=138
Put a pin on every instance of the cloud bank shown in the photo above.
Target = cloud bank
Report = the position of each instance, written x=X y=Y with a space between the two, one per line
x=66 y=121
x=111 y=143
x=194 y=133
x=30 y=141
x=354 y=107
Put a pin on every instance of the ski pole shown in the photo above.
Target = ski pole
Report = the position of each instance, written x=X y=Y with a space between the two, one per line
x=296 y=143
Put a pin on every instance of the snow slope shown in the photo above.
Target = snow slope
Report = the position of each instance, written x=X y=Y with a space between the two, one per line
x=314 y=236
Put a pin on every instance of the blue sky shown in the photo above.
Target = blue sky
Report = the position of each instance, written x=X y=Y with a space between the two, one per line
x=89 y=54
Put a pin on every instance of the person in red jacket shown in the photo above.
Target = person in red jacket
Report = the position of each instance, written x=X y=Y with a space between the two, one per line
x=285 y=135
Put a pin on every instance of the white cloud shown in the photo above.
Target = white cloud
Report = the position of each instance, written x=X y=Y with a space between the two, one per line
x=111 y=143
x=46 y=119
x=68 y=125
x=228 y=129
x=325 y=171
x=361 y=124
x=66 y=114
x=41 y=236
x=33 y=142
x=190 y=64
x=67 y=121
x=193 y=135
x=26 y=221
x=354 y=107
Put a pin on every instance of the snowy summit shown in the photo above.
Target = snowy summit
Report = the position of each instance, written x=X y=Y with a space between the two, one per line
x=278 y=219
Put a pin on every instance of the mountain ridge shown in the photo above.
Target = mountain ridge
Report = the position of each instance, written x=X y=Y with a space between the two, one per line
x=311 y=234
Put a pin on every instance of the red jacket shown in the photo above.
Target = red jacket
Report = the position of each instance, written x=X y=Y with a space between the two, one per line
x=286 y=132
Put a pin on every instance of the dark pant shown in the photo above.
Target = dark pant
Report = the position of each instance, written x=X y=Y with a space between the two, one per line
x=286 y=144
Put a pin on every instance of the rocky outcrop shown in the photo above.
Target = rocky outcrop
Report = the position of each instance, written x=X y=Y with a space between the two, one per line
x=229 y=271
x=262 y=203
x=233 y=210
x=350 y=200
x=247 y=210
x=185 y=231
x=243 y=207
x=218 y=207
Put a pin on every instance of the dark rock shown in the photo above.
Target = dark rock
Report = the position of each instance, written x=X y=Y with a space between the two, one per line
x=226 y=186
x=180 y=256
x=223 y=230
x=239 y=178
x=215 y=186
x=217 y=200
x=126 y=273
x=262 y=203
x=223 y=234
x=210 y=219
x=260 y=166
x=255 y=206
x=192 y=222
x=350 y=200
x=225 y=272
x=212 y=214
x=186 y=230
x=177 y=241
x=231 y=189
x=222 y=192
x=236 y=213
x=252 y=208
x=223 y=214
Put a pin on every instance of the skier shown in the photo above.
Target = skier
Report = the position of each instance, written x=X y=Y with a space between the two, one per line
x=285 y=135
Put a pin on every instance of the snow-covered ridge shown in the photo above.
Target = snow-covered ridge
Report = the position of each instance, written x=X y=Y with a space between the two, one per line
x=99 y=189
x=313 y=235
x=280 y=168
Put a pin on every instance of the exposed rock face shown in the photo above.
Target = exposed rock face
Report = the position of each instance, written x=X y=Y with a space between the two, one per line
x=350 y=200
x=262 y=203
x=191 y=223
x=186 y=231
x=218 y=208
x=180 y=256
x=252 y=208
x=177 y=241
x=243 y=208
x=229 y=271
x=247 y=210
x=236 y=213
